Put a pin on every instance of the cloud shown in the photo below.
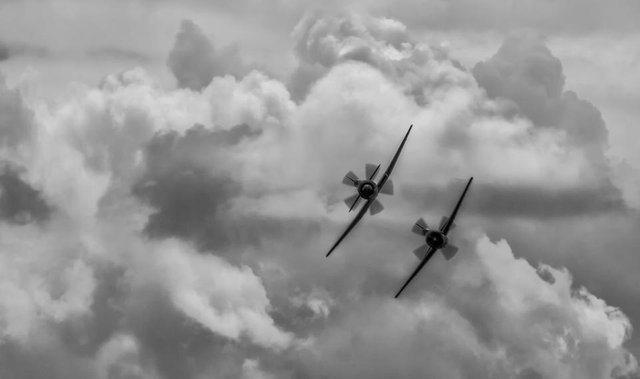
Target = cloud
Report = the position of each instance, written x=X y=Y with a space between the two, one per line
x=115 y=53
x=525 y=202
x=19 y=202
x=194 y=61
x=190 y=226
x=460 y=330
x=525 y=72
x=10 y=50
x=15 y=118
x=557 y=16
x=181 y=182
x=323 y=41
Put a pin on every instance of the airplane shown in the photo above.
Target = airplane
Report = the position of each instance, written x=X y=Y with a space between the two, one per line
x=368 y=190
x=436 y=239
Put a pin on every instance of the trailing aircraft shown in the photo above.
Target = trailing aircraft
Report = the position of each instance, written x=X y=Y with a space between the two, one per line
x=435 y=239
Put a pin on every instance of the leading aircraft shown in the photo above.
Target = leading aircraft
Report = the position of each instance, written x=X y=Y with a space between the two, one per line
x=368 y=190
x=436 y=239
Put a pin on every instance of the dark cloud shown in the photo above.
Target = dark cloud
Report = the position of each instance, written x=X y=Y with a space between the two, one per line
x=9 y=50
x=185 y=186
x=523 y=201
x=115 y=53
x=4 y=52
x=525 y=71
x=194 y=61
x=20 y=203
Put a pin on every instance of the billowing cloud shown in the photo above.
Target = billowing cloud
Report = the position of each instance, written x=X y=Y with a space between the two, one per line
x=194 y=61
x=19 y=202
x=190 y=226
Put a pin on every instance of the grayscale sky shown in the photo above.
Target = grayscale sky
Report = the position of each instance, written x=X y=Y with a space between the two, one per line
x=170 y=181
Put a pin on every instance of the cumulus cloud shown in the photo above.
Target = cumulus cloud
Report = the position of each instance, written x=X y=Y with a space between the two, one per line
x=190 y=226
x=15 y=118
x=19 y=202
x=194 y=61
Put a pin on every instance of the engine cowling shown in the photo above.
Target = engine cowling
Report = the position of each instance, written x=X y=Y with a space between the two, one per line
x=367 y=189
x=435 y=239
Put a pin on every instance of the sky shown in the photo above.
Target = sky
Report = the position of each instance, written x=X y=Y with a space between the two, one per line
x=170 y=182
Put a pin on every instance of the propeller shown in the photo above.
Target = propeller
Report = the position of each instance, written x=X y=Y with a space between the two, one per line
x=352 y=180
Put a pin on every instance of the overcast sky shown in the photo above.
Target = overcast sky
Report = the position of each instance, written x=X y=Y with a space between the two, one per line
x=170 y=181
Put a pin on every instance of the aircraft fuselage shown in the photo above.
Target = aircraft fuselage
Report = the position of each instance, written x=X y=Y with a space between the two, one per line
x=436 y=239
x=367 y=189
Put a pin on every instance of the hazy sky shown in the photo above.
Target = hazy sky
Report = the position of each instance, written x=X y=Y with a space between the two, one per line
x=170 y=181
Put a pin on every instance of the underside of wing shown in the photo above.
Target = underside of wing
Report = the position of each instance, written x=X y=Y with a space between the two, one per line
x=353 y=223
x=429 y=253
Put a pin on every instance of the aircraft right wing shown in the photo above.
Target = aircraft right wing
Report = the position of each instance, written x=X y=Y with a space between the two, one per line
x=356 y=219
x=424 y=261
x=449 y=222
x=387 y=173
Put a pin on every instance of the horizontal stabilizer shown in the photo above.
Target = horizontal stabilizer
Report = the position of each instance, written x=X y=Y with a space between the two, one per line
x=449 y=251
x=350 y=179
x=352 y=201
x=387 y=188
x=420 y=227
x=370 y=170
x=376 y=207
x=421 y=252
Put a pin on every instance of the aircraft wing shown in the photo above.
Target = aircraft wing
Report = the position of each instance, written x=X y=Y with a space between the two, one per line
x=387 y=173
x=356 y=219
x=447 y=225
x=424 y=261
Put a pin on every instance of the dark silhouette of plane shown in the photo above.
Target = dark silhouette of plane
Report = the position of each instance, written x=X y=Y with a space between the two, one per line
x=368 y=190
x=436 y=239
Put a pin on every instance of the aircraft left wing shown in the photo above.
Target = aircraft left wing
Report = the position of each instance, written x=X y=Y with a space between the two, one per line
x=356 y=219
x=424 y=261
x=387 y=173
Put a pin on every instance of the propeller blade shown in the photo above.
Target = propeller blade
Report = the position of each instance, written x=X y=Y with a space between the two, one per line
x=421 y=252
x=449 y=251
x=376 y=207
x=443 y=221
x=420 y=227
x=352 y=201
x=371 y=170
x=350 y=179
x=387 y=188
